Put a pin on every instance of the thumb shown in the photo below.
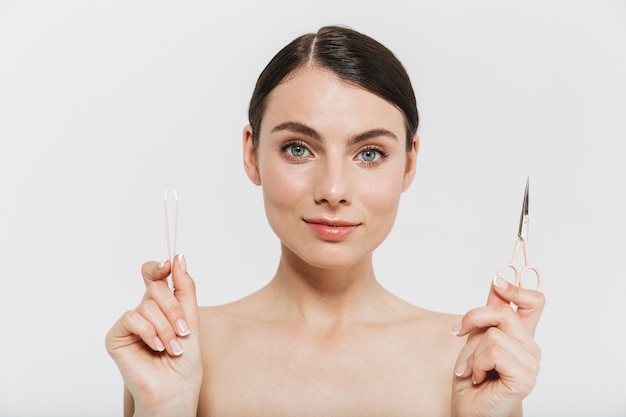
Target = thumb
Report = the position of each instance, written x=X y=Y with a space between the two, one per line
x=185 y=288
x=493 y=297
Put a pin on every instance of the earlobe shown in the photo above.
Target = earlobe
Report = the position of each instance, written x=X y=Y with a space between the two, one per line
x=411 y=164
x=250 y=161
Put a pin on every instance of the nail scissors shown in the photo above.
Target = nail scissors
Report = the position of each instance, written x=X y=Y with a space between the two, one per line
x=522 y=241
x=167 y=224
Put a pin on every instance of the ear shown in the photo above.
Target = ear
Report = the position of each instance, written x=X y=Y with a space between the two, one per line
x=411 y=163
x=250 y=160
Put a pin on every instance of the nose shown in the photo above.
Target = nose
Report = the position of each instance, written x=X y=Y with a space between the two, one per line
x=334 y=184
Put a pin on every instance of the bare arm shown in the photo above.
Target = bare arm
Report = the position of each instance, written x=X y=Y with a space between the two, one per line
x=129 y=403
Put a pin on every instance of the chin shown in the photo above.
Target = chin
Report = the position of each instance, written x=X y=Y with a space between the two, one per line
x=328 y=256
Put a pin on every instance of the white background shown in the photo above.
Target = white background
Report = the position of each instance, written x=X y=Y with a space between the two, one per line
x=104 y=105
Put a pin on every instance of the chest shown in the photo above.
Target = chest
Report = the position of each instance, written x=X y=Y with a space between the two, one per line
x=278 y=372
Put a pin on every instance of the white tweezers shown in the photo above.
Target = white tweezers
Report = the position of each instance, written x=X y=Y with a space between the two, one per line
x=167 y=226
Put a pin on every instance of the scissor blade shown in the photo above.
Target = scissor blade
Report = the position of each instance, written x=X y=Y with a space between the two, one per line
x=522 y=233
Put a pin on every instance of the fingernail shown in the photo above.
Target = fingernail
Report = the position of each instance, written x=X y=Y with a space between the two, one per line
x=177 y=349
x=457 y=328
x=182 y=262
x=162 y=264
x=500 y=283
x=159 y=344
x=461 y=369
x=183 y=328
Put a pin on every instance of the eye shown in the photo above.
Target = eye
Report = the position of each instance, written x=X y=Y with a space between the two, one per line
x=371 y=155
x=296 y=150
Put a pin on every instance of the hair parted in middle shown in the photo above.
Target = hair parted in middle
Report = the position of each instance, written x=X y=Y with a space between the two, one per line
x=353 y=57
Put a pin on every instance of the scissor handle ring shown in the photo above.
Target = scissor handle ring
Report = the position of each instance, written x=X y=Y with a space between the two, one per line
x=520 y=273
x=529 y=268
x=515 y=271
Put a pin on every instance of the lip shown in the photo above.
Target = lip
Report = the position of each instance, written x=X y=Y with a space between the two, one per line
x=331 y=229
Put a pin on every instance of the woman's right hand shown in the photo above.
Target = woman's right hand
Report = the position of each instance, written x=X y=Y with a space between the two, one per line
x=156 y=346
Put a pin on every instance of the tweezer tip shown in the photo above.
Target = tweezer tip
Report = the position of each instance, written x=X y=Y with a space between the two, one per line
x=175 y=195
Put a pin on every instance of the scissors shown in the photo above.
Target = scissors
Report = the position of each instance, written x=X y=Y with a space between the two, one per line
x=522 y=241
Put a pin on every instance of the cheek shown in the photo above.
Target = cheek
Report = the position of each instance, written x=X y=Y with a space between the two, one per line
x=282 y=189
x=381 y=193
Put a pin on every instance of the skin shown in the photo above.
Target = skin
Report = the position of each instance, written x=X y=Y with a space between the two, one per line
x=323 y=337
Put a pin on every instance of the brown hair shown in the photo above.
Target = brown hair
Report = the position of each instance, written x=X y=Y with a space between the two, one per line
x=353 y=57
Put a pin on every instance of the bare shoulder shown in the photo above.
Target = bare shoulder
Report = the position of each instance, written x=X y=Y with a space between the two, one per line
x=220 y=324
x=431 y=329
x=223 y=317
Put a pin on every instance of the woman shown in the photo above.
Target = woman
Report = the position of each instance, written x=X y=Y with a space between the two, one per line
x=332 y=142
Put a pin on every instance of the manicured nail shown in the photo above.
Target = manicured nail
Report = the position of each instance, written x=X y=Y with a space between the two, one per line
x=177 y=349
x=162 y=264
x=182 y=262
x=159 y=344
x=183 y=328
x=500 y=283
x=457 y=328
x=461 y=369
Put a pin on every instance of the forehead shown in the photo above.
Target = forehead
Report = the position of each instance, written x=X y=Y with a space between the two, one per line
x=319 y=98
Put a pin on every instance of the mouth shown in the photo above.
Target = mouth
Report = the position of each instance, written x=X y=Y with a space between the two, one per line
x=331 y=230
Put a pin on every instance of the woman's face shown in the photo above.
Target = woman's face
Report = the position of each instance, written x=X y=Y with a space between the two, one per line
x=332 y=161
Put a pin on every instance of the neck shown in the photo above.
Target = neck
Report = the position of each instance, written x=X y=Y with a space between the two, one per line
x=326 y=298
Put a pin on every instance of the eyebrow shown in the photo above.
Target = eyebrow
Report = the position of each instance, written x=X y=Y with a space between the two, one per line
x=303 y=129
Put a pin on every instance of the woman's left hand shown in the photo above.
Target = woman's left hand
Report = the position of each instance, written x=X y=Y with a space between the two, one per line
x=499 y=364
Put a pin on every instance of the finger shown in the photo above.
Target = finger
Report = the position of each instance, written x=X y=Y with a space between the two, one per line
x=185 y=290
x=529 y=303
x=153 y=314
x=154 y=271
x=493 y=297
x=479 y=321
x=501 y=316
x=516 y=364
x=132 y=323
x=169 y=305
x=461 y=368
